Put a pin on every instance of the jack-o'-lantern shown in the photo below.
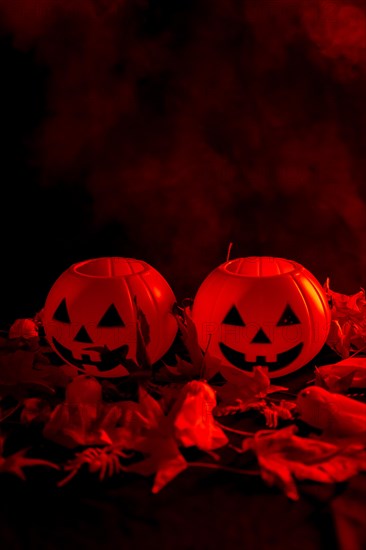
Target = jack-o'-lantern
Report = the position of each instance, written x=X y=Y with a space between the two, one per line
x=261 y=311
x=92 y=312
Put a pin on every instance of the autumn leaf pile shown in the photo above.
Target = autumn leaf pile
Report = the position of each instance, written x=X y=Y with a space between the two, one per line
x=159 y=421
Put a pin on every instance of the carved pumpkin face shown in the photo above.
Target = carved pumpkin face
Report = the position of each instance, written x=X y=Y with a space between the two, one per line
x=261 y=311
x=90 y=315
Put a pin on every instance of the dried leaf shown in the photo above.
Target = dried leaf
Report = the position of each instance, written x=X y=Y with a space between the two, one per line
x=23 y=328
x=341 y=376
x=163 y=460
x=190 y=339
x=142 y=338
x=241 y=390
x=25 y=367
x=348 y=327
x=192 y=418
x=143 y=427
x=15 y=463
x=284 y=457
x=149 y=412
x=35 y=409
x=128 y=423
x=182 y=370
x=76 y=425
x=143 y=323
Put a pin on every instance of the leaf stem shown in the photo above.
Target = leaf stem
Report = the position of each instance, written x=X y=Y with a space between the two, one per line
x=229 y=251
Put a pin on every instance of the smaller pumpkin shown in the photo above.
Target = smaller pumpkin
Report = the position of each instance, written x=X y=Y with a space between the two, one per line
x=261 y=311
x=93 y=310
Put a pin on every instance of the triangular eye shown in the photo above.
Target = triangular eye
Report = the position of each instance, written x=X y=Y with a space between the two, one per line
x=288 y=317
x=61 y=314
x=83 y=336
x=233 y=317
x=111 y=318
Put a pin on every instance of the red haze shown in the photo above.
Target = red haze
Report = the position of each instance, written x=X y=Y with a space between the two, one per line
x=193 y=124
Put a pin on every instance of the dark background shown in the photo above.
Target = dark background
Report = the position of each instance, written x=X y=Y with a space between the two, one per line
x=165 y=129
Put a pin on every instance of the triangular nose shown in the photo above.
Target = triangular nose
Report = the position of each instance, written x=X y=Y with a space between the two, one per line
x=83 y=336
x=261 y=338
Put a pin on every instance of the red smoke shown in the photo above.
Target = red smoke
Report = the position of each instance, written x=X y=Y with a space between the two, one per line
x=338 y=29
x=194 y=124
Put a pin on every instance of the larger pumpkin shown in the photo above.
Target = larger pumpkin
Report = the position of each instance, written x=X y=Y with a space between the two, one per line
x=91 y=314
x=261 y=311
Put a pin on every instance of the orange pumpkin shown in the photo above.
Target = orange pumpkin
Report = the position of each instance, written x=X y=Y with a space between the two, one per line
x=261 y=311
x=91 y=313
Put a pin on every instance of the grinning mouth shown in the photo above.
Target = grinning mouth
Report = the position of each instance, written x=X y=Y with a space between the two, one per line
x=237 y=358
x=109 y=359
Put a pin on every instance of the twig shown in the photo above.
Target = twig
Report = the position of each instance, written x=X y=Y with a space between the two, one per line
x=356 y=352
x=233 y=430
x=224 y=468
x=9 y=413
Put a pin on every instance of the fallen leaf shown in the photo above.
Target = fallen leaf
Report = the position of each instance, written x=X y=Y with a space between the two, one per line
x=142 y=338
x=76 y=425
x=182 y=370
x=23 y=328
x=35 y=409
x=284 y=457
x=163 y=460
x=348 y=326
x=143 y=427
x=192 y=419
x=341 y=376
x=128 y=423
x=242 y=390
x=26 y=367
x=15 y=463
x=190 y=339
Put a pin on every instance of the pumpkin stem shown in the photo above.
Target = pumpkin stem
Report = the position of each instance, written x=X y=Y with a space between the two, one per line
x=229 y=251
